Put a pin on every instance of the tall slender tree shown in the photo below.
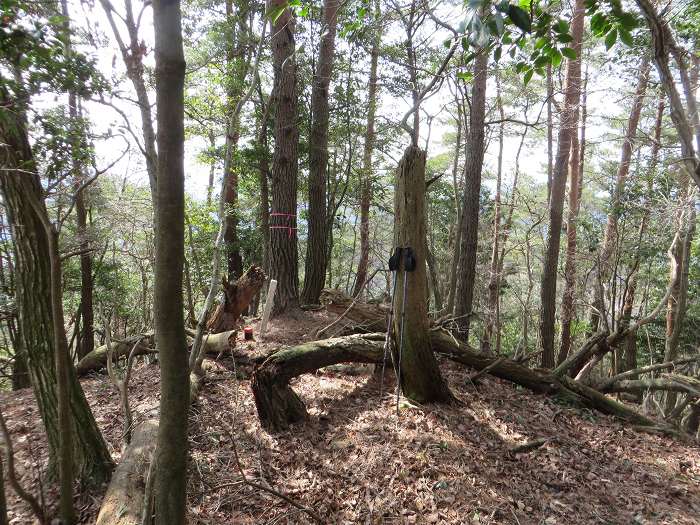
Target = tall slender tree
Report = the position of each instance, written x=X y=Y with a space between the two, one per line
x=567 y=129
x=317 y=252
x=568 y=303
x=473 y=165
x=285 y=160
x=171 y=458
x=367 y=151
x=610 y=238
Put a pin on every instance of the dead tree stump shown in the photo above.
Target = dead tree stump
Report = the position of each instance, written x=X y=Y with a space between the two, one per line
x=237 y=297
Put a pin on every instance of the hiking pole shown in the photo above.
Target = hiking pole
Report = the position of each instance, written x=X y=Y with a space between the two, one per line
x=409 y=264
x=393 y=267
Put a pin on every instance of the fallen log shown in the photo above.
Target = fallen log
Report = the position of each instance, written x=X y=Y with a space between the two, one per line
x=237 y=297
x=277 y=404
x=123 y=502
x=666 y=384
x=97 y=359
x=364 y=317
x=545 y=382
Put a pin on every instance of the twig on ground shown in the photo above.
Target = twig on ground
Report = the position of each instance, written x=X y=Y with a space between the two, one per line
x=528 y=446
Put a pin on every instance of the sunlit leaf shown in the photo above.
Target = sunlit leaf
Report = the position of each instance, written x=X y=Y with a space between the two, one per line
x=568 y=53
x=610 y=39
x=625 y=36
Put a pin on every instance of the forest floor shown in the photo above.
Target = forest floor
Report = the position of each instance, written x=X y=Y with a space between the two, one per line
x=354 y=461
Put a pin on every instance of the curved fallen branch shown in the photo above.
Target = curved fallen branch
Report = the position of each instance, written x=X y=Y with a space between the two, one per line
x=277 y=404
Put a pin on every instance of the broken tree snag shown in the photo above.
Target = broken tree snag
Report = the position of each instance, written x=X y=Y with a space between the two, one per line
x=576 y=361
x=97 y=359
x=277 y=404
x=367 y=317
x=237 y=297
x=419 y=374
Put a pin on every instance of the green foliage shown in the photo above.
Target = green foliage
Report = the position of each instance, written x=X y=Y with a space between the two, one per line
x=32 y=44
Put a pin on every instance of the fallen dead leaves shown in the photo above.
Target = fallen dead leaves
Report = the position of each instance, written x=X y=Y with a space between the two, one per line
x=354 y=461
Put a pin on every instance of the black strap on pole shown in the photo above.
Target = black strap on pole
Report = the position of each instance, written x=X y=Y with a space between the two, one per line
x=394 y=263
x=408 y=263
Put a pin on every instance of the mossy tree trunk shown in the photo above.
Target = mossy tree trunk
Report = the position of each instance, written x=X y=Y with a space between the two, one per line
x=20 y=186
x=421 y=380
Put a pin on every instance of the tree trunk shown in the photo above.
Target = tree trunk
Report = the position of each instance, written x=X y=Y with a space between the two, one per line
x=87 y=335
x=567 y=130
x=420 y=376
x=678 y=300
x=367 y=170
x=3 y=502
x=283 y=232
x=92 y=462
x=611 y=234
x=316 y=246
x=263 y=176
x=171 y=455
x=474 y=161
x=568 y=301
x=236 y=68
x=494 y=274
x=662 y=43
x=550 y=131
x=457 y=226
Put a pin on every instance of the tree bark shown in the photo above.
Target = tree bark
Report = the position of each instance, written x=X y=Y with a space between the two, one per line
x=283 y=232
x=420 y=376
x=171 y=455
x=316 y=245
x=457 y=225
x=567 y=130
x=20 y=187
x=473 y=164
x=368 y=149
x=568 y=301
x=3 y=502
x=237 y=65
